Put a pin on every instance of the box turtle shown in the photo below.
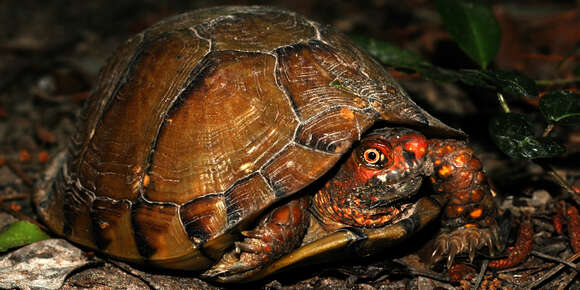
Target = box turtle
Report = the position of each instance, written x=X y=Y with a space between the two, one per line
x=240 y=141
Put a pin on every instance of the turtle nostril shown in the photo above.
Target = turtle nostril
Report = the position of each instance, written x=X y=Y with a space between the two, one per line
x=409 y=158
x=417 y=145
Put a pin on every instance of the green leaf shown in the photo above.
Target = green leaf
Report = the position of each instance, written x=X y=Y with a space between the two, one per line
x=562 y=107
x=473 y=26
x=399 y=58
x=476 y=78
x=389 y=53
x=508 y=83
x=514 y=135
x=513 y=83
x=19 y=234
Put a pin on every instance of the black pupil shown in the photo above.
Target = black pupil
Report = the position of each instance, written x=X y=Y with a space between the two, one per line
x=371 y=156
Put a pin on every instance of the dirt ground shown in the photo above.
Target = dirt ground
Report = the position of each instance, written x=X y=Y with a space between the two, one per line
x=51 y=53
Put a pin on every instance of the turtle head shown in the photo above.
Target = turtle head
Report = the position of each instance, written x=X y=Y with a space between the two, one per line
x=377 y=182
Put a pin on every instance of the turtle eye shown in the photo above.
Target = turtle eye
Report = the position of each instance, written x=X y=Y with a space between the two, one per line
x=372 y=156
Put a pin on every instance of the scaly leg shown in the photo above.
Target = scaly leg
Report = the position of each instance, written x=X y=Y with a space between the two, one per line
x=469 y=219
x=277 y=234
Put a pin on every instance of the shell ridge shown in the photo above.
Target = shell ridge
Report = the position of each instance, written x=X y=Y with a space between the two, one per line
x=269 y=162
x=282 y=88
x=209 y=40
x=316 y=28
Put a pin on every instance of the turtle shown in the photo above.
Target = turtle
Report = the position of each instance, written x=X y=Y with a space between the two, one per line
x=239 y=141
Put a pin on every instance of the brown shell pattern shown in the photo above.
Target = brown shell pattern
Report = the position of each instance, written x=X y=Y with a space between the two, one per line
x=201 y=122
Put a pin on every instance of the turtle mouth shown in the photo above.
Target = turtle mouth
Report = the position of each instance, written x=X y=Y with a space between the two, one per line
x=368 y=219
x=379 y=214
x=396 y=202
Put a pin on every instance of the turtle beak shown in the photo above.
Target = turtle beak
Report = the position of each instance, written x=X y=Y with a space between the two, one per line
x=399 y=191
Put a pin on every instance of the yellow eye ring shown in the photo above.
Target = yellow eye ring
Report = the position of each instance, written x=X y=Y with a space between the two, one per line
x=372 y=156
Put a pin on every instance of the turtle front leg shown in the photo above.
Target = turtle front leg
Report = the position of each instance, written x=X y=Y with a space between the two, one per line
x=277 y=233
x=469 y=218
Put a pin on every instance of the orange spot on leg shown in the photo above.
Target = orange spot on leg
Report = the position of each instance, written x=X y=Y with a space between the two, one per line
x=476 y=213
x=445 y=171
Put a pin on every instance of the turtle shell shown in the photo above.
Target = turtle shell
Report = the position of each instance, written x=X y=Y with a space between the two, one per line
x=200 y=123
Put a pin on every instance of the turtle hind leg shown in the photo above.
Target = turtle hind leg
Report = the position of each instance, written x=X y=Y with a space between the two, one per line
x=278 y=233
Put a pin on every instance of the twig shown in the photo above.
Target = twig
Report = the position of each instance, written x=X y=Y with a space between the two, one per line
x=428 y=274
x=503 y=103
x=562 y=261
x=131 y=272
x=14 y=196
x=557 y=82
x=481 y=273
x=22 y=216
x=551 y=272
x=19 y=173
x=548 y=129
x=567 y=280
x=560 y=180
x=524 y=267
x=434 y=276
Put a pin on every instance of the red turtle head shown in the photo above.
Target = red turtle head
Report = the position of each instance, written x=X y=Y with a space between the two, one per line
x=373 y=187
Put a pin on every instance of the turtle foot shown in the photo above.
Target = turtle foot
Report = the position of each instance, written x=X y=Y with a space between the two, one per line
x=468 y=239
x=246 y=259
x=278 y=233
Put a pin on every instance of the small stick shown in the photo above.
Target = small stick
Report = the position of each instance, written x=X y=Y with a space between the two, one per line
x=556 y=259
x=19 y=173
x=14 y=196
x=22 y=216
x=524 y=267
x=433 y=276
x=428 y=274
x=503 y=103
x=557 y=82
x=548 y=129
x=551 y=272
x=480 y=275
x=567 y=280
x=561 y=181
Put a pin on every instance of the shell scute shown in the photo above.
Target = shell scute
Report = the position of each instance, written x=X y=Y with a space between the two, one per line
x=111 y=221
x=296 y=167
x=304 y=72
x=247 y=199
x=116 y=158
x=332 y=131
x=158 y=231
x=204 y=217
x=241 y=119
x=77 y=220
x=259 y=30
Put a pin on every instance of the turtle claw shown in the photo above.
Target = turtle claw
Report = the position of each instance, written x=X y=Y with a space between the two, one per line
x=234 y=265
x=221 y=268
x=456 y=247
x=246 y=247
x=441 y=247
x=468 y=240
x=490 y=243
x=472 y=250
x=255 y=234
x=245 y=259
